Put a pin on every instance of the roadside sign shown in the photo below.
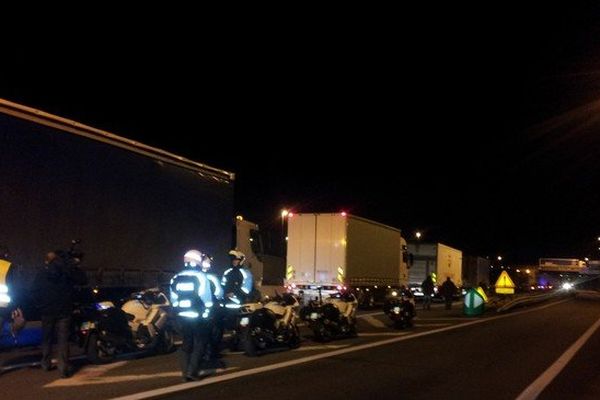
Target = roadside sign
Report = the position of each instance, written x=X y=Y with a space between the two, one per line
x=504 y=285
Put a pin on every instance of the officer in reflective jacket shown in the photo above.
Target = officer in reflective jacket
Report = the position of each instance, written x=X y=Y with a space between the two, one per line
x=192 y=301
x=216 y=328
x=237 y=281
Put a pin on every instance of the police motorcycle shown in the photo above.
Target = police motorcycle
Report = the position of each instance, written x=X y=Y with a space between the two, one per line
x=334 y=317
x=142 y=323
x=399 y=306
x=269 y=324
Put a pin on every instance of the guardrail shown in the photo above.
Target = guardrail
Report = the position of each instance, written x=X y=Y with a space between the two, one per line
x=526 y=300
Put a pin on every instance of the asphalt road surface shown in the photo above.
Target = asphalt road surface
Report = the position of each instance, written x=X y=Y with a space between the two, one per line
x=549 y=350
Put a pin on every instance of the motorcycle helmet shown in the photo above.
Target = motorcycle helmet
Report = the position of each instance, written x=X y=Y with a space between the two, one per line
x=237 y=255
x=192 y=258
x=206 y=262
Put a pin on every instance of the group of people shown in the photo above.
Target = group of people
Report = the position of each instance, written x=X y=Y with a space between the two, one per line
x=200 y=299
x=202 y=303
x=448 y=291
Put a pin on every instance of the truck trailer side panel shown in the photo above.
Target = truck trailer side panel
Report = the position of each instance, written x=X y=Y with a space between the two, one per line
x=374 y=253
x=131 y=211
x=449 y=263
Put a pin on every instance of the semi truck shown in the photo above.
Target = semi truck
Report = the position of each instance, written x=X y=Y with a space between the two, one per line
x=435 y=259
x=135 y=208
x=331 y=252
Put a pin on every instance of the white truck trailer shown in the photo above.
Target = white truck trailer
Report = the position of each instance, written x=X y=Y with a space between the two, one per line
x=331 y=252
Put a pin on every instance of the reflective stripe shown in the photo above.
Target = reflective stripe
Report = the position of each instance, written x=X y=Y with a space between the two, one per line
x=189 y=314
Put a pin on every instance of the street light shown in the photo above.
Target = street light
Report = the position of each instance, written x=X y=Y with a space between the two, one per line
x=284 y=213
x=499 y=258
x=418 y=235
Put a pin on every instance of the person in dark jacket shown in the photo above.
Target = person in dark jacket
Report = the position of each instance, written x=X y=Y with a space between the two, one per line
x=448 y=291
x=428 y=289
x=53 y=291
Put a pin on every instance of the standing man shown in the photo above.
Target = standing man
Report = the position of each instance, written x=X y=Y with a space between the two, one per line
x=448 y=291
x=192 y=300
x=237 y=281
x=428 y=289
x=53 y=291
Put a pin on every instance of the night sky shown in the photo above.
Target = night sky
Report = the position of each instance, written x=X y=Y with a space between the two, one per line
x=479 y=127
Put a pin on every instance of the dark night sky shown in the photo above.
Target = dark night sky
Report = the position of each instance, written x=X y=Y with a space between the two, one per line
x=480 y=127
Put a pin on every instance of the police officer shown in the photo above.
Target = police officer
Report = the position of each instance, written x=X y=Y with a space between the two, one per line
x=192 y=301
x=216 y=326
x=237 y=281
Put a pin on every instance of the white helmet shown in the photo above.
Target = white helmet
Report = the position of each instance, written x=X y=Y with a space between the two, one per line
x=237 y=255
x=206 y=262
x=192 y=258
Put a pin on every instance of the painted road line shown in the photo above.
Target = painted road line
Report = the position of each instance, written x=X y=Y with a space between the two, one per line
x=374 y=322
x=383 y=334
x=322 y=347
x=253 y=371
x=99 y=380
x=426 y=325
x=534 y=390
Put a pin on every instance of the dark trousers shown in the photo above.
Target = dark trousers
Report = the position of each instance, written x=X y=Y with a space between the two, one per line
x=194 y=337
x=427 y=302
x=59 y=325
x=448 y=302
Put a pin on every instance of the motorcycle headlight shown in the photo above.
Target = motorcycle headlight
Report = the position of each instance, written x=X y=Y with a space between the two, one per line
x=3 y=289
x=87 y=325
x=314 y=315
x=244 y=322
x=396 y=310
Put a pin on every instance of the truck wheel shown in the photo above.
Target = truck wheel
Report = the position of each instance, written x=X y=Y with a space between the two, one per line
x=98 y=352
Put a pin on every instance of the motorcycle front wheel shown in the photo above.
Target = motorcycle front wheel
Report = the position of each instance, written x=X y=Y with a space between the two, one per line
x=98 y=351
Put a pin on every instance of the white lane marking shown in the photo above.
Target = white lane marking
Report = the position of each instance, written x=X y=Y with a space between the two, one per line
x=370 y=314
x=534 y=390
x=34 y=364
x=443 y=319
x=374 y=322
x=426 y=325
x=98 y=380
x=383 y=334
x=322 y=347
x=89 y=374
x=285 y=364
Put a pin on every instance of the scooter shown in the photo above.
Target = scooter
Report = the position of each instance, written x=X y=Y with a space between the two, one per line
x=143 y=323
x=272 y=324
x=400 y=308
x=333 y=318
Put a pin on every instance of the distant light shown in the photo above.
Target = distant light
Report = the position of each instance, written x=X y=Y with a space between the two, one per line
x=418 y=235
x=567 y=286
x=518 y=270
x=286 y=238
x=239 y=218
x=343 y=213
x=528 y=271
x=586 y=259
x=284 y=213
x=252 y=240
x=290 y=214
x=499 y=258
x=95 y=291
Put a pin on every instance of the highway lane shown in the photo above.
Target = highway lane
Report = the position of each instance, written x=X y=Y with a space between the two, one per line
x=507 y=353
